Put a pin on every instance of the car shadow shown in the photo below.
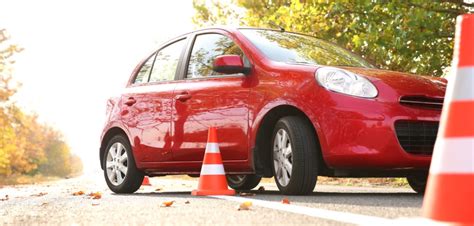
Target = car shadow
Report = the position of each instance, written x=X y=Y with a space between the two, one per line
x=370 y=199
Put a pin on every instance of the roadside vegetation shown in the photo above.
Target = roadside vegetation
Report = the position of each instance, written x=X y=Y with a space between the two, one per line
x=415 y=36
x=29 y=150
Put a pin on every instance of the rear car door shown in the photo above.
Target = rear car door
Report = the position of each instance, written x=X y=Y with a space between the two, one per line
x=150 y=100
x=206 y=98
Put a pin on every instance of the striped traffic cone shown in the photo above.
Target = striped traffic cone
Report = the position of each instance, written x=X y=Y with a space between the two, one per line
x=450 y=191
x=146 y=181
x=212 y=180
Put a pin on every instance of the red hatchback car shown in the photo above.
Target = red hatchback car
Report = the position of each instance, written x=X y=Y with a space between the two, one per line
x=285 y=105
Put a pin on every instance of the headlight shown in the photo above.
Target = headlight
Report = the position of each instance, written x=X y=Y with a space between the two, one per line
x=346 y=82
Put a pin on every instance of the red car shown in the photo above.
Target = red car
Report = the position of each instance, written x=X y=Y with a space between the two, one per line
x=286 y=105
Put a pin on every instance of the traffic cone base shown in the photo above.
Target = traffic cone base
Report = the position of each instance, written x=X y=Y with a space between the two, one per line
x=212 y=180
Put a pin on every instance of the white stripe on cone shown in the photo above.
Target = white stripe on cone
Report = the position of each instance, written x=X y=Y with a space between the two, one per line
x=459 y=158
x=212 y=148
x=463 y=82
x=212 y=169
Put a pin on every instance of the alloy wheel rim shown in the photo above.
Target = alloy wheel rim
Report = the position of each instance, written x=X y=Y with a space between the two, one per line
x=236 y=179
x=116 y=163
x=282 y=157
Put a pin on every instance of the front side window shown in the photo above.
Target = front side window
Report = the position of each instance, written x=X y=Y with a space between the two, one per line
x=166 y=62
x=206 y=48
x=294 y=48
x=144 y=73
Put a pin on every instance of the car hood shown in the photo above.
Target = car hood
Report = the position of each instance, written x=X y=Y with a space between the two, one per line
x=404 y=83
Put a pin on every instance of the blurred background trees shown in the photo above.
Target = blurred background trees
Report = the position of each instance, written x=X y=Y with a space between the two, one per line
x=27 y=147
x=415 y=36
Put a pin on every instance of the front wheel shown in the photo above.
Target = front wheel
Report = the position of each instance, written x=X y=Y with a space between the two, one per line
x=294 y=156
x=243 y=182
x=418 y=182
x=120 y=171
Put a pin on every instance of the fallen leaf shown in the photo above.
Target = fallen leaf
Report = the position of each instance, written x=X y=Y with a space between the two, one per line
x=187 y=202
x=245 y=205
x=285 y=201
x=95 y=195
x=158 y=189
x=78 y=193
x=261 y=188
x=4 y=199
x=44 y=204
x=39 y=194
x=246 y=194
x=167 y=203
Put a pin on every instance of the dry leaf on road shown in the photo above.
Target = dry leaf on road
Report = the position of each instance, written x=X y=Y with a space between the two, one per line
x=40 y=194
x=4 y=199
x=285 y=201
x=187 y=202
x=245 y=205
x=167 y=203
x=78 y=193
x=95 y=195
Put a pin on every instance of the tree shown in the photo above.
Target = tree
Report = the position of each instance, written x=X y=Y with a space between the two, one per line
x=411 y=36
x=27 y=146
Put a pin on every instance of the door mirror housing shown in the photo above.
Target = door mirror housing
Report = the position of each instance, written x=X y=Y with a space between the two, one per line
x=229 y=64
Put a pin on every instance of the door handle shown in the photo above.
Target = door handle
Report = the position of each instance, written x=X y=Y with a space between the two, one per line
x=131 y=101
x=184 y=96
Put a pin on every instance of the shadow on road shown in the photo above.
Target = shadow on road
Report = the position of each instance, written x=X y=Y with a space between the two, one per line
x=391 y=199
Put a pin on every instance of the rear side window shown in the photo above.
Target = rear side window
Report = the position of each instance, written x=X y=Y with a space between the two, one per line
x=144 y=73
x=206 y=48
x=166 y=62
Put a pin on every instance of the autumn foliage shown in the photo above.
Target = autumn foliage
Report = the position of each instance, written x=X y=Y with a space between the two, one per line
x=27 y=147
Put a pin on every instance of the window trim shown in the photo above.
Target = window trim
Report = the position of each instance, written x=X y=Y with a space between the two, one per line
x=133 y=82
x=190 y=49
x=186 y=39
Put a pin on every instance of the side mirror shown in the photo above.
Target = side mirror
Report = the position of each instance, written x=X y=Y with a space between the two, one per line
x=229 y=64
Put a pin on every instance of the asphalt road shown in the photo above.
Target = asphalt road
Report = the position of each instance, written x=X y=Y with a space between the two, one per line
x=54 y=203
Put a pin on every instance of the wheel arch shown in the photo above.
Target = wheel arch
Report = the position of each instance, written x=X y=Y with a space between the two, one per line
x=261 y=152
x=113 y=131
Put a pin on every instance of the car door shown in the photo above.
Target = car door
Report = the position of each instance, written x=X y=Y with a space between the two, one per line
x=150 y=100
x=206 y=98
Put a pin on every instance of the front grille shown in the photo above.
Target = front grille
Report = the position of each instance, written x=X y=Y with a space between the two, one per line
x=422 y=102
x=417 y=137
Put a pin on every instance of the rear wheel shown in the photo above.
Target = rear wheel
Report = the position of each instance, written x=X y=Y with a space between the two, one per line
x=243 y=182
x=294 y=156
x=418 y=182
x=120 y=171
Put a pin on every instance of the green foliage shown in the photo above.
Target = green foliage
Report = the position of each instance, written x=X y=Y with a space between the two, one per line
x=411 y=36
x=27 y=147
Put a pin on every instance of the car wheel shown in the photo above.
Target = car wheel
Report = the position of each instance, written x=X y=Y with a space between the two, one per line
x=243 y=182
x=294 y=156
x=418 y=182
x=120 y=171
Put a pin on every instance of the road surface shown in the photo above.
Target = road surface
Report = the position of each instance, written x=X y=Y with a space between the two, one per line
x=54 y=203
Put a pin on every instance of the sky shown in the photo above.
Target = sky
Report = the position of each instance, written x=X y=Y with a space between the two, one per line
x=78 y=53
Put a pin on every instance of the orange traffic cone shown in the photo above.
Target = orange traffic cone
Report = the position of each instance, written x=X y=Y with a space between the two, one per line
x=146 y=181
x=212 y=180
x=450 y=191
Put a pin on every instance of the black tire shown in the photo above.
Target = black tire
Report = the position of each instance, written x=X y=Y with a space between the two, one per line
x=418 y=182
x=304 y=154
x=243 y=182
x=133 y=178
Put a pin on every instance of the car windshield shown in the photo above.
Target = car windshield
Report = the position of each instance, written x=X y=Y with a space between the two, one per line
x=294 y=48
